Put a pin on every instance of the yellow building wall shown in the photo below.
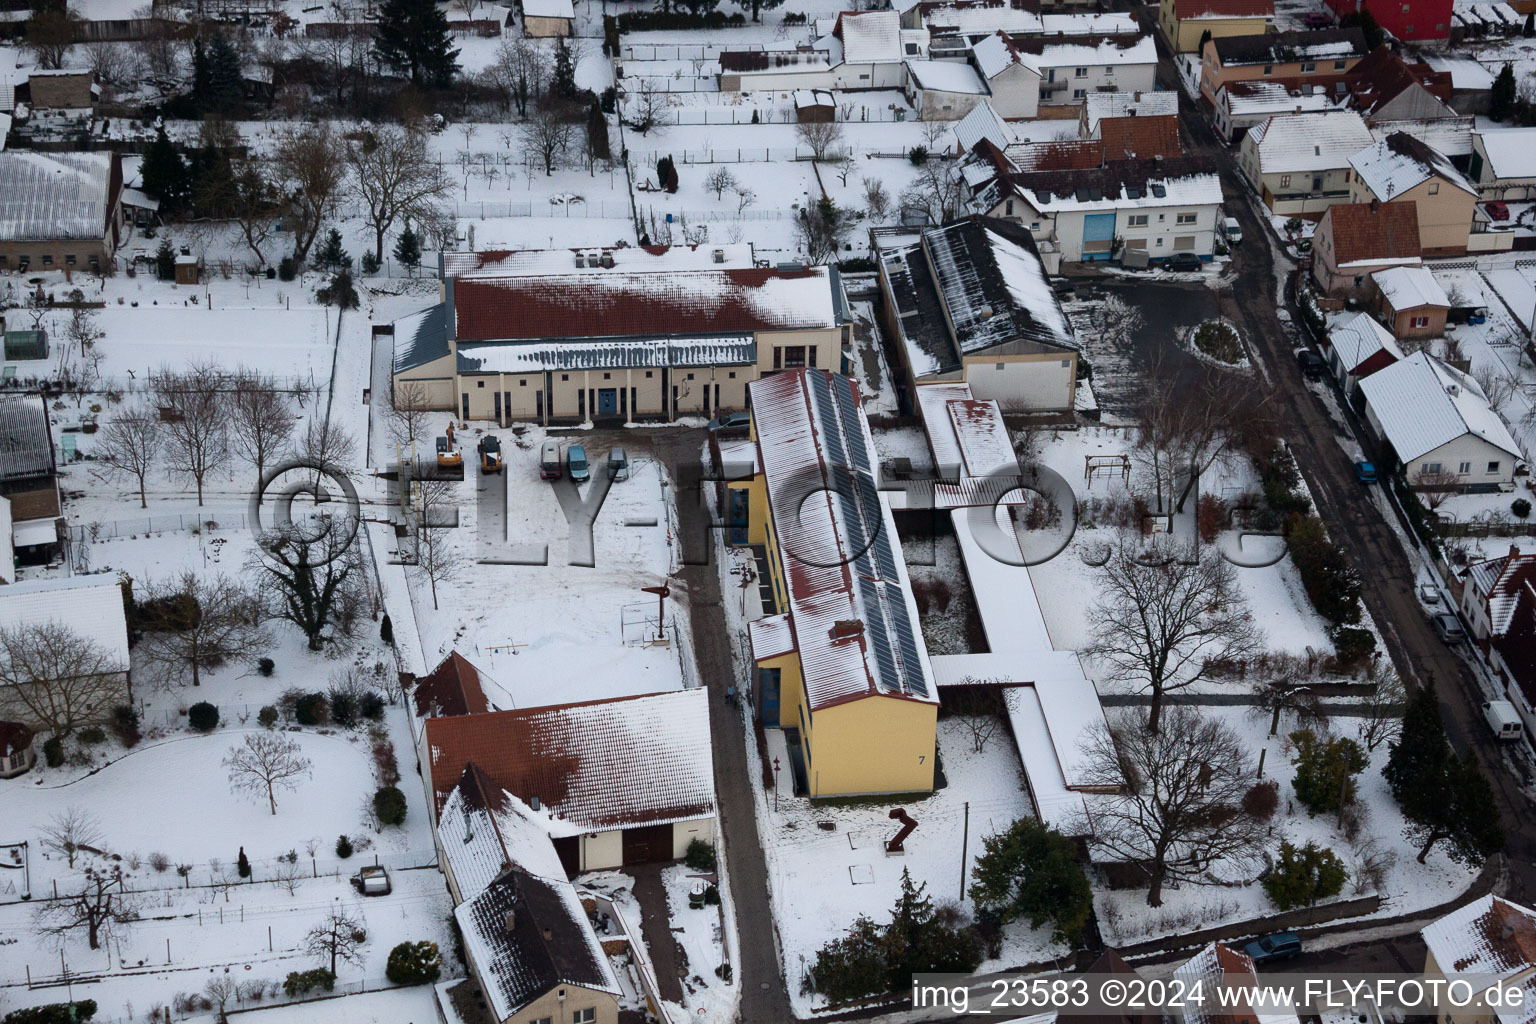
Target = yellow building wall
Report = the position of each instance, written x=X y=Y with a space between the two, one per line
x=872 y=745
x=1445 y=216
x=757 y=505
x=553 y=1007
x=1184 y=36
x=791 y=689
x=826 y=341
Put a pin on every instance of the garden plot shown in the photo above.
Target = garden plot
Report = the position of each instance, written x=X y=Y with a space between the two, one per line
x=1405 y=885
x=822 y=879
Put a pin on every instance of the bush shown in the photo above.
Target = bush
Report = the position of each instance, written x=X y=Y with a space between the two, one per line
x=370 y=264
x=160 y=862
x=92 y=734
x=1219 y=341
x=53 y=1013
x=203 y=717
x=1332 y=584
x=243 y=864
x=712 y=895
x=1325 y=770
x=343 y=847
x=918 y=155
x=287 y=270
x=414 y=963
x=700 y=855
x=647 y=21
x=370 y=706
x=311 y=709
x=1210 y=517
x=1262 y=800
x=857 y=265
x=1304 y=875
x=343 y=708
x=125 y=725
x=387 y=631
x=1520 y=508
x=299 y=982
x=266 y=666
x=53 y=751
x=385 y=768
x=267 y=716
x=389 y=806
x=1032 y=872
x=1352 y=645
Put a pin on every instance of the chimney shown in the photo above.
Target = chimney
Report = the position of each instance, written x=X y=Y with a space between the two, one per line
x=510 y=920
x=1514 y=551
x=607 y=261
x=844 y=629
x=548 y=934
x=1375 y=204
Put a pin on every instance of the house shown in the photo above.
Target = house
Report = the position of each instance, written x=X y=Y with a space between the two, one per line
x=1384 y=87
x=862 y=50
x=544 y=19
x=1140 y=138
x=1319 y=55
x=1440 y=426
x=1357 y=347
x=1157 y=206
x=1241 y=105
x=1410 y=302
x=1412 y=21
x=1354 y=240
x=1220 y=968
x=814 y=106
x=1073 y=68
x=1013 y=83
x=1503 y=163
x=1299 y=163
x=621 y=781
x=1118 y=104
x=627 y=333
x=67 y=89
x=92 y=608
x=840 y=664
x=1400 y=168
x=1513 y=655
x=16 y=753
x=29 y=478
x=1185 y=23
x=942 y=90
x=1488 y=942
x=528 y=939
x=971 y=302
x=1492 y=591
x=1471 y=83
x=59 y=210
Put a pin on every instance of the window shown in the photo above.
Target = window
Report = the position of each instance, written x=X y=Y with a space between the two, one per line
x=1078 y=94
x=522 y=383
x=812 y=350
x=544 y=1020
x=649 y=373
x=1493 y=467
x=1359 y=281
x=1001 y=366
x=1338 y=65
x=479 y=383
x=565 y=376
x=1034 y=225
x=1137 y=220
x=589 y=1014
x=794 y=355
x=1418 y=321
x=1466 y=467
x=731 y=375
x=1285 y=181
x=1269 y=69
x=1079 y=72
x=1434 y=188
x=1159 y=241
x=1187 y=218
x=607 y=376
x=69 y=260
x=690 y=376
x=1431 y=467
x=1309 y=67
x=1008 y=208
x=47 y=261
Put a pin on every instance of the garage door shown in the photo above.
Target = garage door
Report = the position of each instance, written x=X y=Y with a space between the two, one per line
x=647 y=845
x=1098 y=235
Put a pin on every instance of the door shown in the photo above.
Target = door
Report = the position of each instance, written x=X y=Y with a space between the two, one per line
x=465 y=401
x=608 y=401
x=648 y=844
x=1098 y=235
x=538 y=403
x=498 y=406
x=506 y=403
x=1317 y=183
x=738 y=516
x=706 y=399
x=569 y=852
x=768 y=695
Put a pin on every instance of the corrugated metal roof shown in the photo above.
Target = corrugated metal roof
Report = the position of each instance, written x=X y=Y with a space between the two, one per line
x=612 y=354
x=1410 y=288
x=1422 y=404
x=982 y=123
x=54 y=195
x=421 y=337
x=772 y=636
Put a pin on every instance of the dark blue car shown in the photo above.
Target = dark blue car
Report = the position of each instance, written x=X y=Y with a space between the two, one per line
x=1273 y=948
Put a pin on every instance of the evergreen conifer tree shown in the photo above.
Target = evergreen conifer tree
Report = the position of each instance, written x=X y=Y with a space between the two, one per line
x=408 y=248
x=413 y=39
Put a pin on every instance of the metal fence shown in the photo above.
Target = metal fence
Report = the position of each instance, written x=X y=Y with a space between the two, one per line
x=149 y=526
x=671 y=51
x=727 y=114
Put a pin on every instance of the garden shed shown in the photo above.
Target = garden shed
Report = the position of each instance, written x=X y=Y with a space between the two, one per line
x=26 y=344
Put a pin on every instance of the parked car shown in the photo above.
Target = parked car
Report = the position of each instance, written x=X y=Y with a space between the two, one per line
x=1497 y=210
x=1184 y=262
x=1273 y=948
x=618 y=465
x=1429 y=594
x=490 y=454
x=1313 y=366
x=549 y=461
x=1449 y=627
x=372 y=880
x=576 y=464
x=732 y=422
x=1318 y=19
x=1503 y=719
x=1365 y=472
x=1231 y=230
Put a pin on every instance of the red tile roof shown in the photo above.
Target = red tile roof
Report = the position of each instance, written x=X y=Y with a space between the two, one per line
x=1069 y=155
x=1127 y=138
x=623 y=303
x=1373 y=231
x=453 y=688
x=1517 y=646
x=1224 y=9
x=1381 y=76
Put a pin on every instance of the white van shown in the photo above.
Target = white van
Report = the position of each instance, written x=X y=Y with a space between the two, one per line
x=1230 y=230
x=1503 y=719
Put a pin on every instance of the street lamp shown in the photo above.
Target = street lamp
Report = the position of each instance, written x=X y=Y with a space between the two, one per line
x=775 y=785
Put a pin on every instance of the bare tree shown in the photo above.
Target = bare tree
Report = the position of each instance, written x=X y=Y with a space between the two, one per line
x=745 y=197
x=338 y=937
x=1201 y=416
x=72 y=830
x=129 y=444
x=101 y=906
x=265 y=763
x=933 y=134
x=1276 y=697
x=819 y=136
x=845 y=166
x=520 y=70
x=205 y=621
x=196 y=427
x=111 y=62
x=393 y=176
x=308 y=578
x=289 y=874
x=54 y=676
x=438 y=559
x=307 y=163
x=1180 y=806
x=260 y=418
x=468 y=7
x=1498 y=387
x=979 y=709
x=221 y=988
x=327 y=442
x=408 y=413
x=254 y=206
x=645 y=110
x=720 y=181
x=51 y=34
x=1381 y=711
x=1436 y=487
x=548 y=133
x=820 y=230
x=1163 y=621
x=938 y=191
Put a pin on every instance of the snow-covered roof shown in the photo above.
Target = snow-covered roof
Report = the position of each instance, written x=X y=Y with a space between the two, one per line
x=1422 y=404
x=54 y=195
x=976 y=19
x=1489 y=936
x=1090 y=23
x=993 y=287
x=1400 y=162
x=1139 y=103
x=995 y=54
x=1410 y=288
x=1291 y=47
x=946 y=76
x=91 y=606
x=1466 y=73
x=807 y=98
x=771 y=636
x=549 y=9
x=849 y=596
x=982 y=123
x=1449 y=136
x=1498 y=582
x=870 y=37
x=1249 y=99
x=1219 y=967
x=142 y=200
x=1310 y=141
x=1361 y=337
x=1511 y=151
x=593 y=766
x=483 y=831
x=1131 y=184
x=1115 y=51
x=609 y=354
x=595 y=260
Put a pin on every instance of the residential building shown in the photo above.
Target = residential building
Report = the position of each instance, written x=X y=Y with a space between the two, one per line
x=1218 y=968
x=1013 y=83
x=1184 y=23
x=1099 y=105
x=621 y=781
x=943 y=90
x=1440 y=426
x=1410 y=302
x=1512 y=654
x=1488 y=942
x=840 y=663
x=1399 y=169
x=29 y=479
x=92 y=608
x=1241 y=105
x=974 y=18
x=862 y=50
x=626 y=333
x=971 y=302
x=1412 y=21
x=1305 y=56
x=1073 y=68
x=1384 y=87
x=1357 y=347
x=1471 y=83
x=1503 y=163
x=1491 y=591
x=543 y=19
x=1354 y=240
x=59 y=211
x=1299 y=163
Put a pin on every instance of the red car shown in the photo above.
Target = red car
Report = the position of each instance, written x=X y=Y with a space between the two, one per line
x=1497 y=210
x=1319 y=19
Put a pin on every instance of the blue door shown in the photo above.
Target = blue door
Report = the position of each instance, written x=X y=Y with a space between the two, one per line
x=608 y=401
x=738 y=516
x=1098 y=236
x=768 y=695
